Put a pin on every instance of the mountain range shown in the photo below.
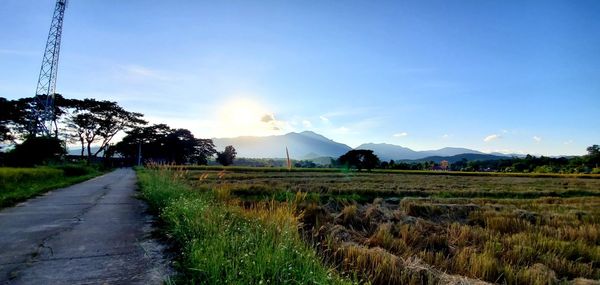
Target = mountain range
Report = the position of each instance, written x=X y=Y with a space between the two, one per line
x=302 y=145
x=308 y=145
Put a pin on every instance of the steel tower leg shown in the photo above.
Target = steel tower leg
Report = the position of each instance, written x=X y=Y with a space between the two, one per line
x=46 y=86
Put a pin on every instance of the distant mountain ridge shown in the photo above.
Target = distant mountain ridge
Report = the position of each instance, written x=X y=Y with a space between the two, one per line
x=459 y=157
x=300 y=146
x=389 y=151
x=308 y=145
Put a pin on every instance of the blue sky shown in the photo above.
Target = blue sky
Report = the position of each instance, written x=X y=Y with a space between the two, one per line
x=511 y=76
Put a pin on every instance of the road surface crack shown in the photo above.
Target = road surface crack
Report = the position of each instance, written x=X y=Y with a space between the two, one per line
x=37 y=254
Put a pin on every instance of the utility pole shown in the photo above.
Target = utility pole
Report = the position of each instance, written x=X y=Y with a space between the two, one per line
x=139 y=162
x=46 y=86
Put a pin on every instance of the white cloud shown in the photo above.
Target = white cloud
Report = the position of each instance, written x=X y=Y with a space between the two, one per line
x=306 y=124
x=399 y=135
x=504 y=131
x=446 y=136
x=133 y=71
x=272 y=123
x=491 y=138
x=537 y=139
x=324 y=119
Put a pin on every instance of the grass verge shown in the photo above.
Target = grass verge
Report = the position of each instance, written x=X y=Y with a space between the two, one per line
x=222 y=242
x=19 y=184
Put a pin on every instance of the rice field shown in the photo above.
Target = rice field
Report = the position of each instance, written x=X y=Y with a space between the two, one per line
x=415 y=228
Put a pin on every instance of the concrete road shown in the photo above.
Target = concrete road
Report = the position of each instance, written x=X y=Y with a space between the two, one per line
x=95 y=232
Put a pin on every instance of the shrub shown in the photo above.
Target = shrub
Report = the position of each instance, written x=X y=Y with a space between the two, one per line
x=71 y=170
x=36 y=151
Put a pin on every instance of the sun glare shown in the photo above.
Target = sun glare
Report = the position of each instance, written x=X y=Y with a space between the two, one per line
x=244 y=117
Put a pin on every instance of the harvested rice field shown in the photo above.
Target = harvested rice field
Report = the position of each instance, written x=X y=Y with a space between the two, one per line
x=397 y=228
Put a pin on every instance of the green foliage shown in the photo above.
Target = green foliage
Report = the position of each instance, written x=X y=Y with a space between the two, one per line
x=19 y=117
x=18 y=184
x=71 y=170
x=527 y=164
x=545 y=169
x=226 y=157
x=224 y=244
x=92 y=121
x=36 y=151
x=593 y=157
x=6 y=109
x=160 y=143
x=88 y=121
x=13 y=176
x=359 y=159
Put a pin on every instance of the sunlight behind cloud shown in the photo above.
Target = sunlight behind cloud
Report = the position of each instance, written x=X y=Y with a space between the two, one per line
x=245 y=117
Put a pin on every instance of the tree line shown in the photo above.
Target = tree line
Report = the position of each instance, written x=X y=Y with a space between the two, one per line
x=366 y=159
x=92 y=124
x=589 y=163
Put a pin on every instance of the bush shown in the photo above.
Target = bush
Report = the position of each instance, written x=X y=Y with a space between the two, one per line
x=71 y=170
x=36 y=151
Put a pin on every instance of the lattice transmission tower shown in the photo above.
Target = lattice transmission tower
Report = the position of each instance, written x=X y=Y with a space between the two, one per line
x=46 y=86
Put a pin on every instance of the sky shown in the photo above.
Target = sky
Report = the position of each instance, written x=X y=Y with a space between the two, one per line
x=508 y=76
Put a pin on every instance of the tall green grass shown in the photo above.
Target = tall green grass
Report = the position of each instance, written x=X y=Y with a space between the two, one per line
x=19 y=184
x=223 y=243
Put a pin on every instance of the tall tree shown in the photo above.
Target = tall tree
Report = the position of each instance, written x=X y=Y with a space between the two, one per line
x=593 y=156
x=359 y=159
x=150 y=140
x=94 y=121
x=20 y=117
x=6 y=108
x=163 y=144
x=205 y=148
x=226 y=157
x=182 y=146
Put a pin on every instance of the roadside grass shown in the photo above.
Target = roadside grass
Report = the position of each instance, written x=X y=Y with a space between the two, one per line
x=223 y=242
x=19 y=184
